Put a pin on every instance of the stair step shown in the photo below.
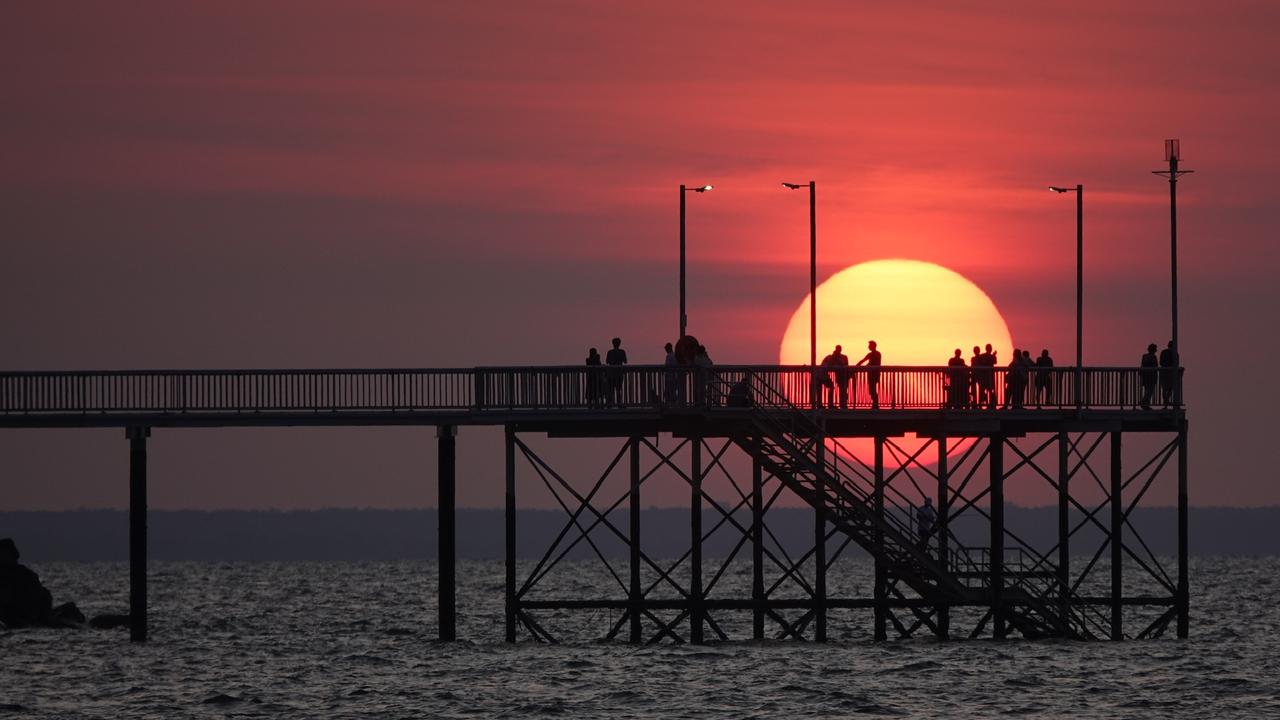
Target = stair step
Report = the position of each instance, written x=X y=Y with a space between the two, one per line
x=793 y=461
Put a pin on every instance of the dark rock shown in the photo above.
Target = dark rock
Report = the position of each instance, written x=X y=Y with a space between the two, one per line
x=24 y=601
x=67 y=615
x=109 y=621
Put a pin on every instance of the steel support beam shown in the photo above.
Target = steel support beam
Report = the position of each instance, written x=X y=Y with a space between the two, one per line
x=138 y=532
x=637 y=592
x=696 y=608
x=1117 y=540
x=820 y=549
x=995 y=461
x=511 y=604
x=881 y=590
x=757 y=549
x=1184 y=592
x=446 y=531
x=1064 y=523
x=944 y=508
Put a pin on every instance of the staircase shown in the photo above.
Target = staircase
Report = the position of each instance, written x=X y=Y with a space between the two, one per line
x=788 y=443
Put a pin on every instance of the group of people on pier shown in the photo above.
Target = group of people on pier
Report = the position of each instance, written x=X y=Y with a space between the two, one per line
x=1163 y=368
x=974 y=385
x=966 y=385
x=605 y=387
x=833 y=381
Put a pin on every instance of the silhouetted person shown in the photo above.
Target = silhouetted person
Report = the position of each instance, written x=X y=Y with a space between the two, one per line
x=840 y=369
x=593 y=377
x=872 y=360
x=672 y=387
x=1015 y=381
x=1044 y=379
x=986 y=372
x=740 y=394
x=23 y=600
x=702 y=364
x=957 y=381
x=686 y=349
x=837 y=365
x=823 y=391
x=926 y=517
x=615 y=359
x=1147 y=375
x=1024 y=376
x=1169 y=375
x=975 y=380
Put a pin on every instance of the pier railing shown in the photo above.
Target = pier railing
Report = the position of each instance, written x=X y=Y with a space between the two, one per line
x=584 y=388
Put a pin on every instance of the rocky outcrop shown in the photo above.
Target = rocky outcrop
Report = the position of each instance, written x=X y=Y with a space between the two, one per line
x=24 y=601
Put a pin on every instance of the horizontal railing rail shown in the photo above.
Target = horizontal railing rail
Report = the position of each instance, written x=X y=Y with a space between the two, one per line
x=646 y=387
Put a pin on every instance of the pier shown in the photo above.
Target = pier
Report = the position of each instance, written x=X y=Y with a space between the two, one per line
x=774 y=419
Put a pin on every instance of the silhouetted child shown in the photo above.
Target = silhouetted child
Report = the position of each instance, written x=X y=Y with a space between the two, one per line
x=740 y=394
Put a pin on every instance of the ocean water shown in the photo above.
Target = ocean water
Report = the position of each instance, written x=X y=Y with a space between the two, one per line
x=356 y=640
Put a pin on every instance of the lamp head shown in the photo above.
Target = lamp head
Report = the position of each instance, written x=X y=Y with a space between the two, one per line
x=1054 y=188
x=702 y=189
x=791 y=186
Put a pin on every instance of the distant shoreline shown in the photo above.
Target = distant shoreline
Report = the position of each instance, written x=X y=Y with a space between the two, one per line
x=370 y=534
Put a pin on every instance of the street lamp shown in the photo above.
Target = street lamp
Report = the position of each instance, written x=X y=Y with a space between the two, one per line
x=684 y=318
x=1171 y=155
x=813 y=268
x=1079 y=191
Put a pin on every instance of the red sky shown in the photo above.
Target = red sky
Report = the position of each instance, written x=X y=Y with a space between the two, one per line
x=416 y=184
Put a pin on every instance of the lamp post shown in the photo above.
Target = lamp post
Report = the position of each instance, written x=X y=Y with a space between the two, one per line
x=813 y=268
x=684 y=319
x=1079 y=191
x=1171 y=152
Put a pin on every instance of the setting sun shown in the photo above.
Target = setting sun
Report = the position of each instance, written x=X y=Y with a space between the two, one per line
x=917 y=312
